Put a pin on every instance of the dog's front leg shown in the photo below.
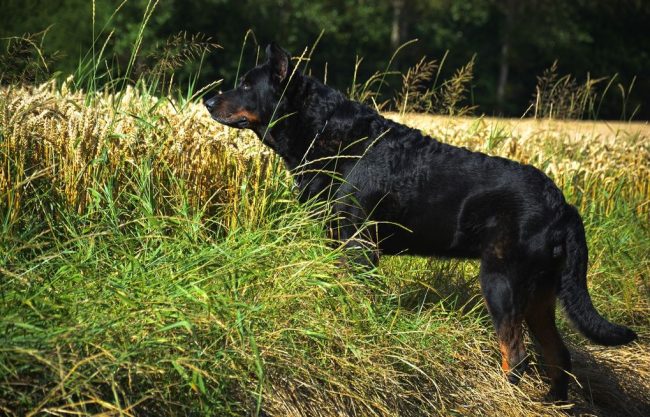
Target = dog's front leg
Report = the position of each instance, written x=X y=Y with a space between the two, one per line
x=359 y=239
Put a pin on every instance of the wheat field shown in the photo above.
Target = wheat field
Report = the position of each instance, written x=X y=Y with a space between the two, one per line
x=153 y=262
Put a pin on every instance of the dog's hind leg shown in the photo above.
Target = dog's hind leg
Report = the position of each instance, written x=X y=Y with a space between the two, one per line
x=540 y=317
x=506 y=302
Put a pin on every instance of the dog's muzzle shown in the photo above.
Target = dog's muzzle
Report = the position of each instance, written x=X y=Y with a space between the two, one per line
x=210 y=103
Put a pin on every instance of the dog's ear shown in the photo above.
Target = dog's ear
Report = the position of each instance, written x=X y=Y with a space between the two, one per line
x=279 y=60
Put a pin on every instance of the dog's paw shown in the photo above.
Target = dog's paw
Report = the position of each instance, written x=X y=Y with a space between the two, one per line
x=514 y=375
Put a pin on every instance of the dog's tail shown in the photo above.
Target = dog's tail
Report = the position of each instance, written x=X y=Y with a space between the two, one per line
x=573 y=289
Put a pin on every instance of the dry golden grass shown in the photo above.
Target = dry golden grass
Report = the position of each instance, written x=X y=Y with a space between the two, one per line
x=56 y=135
x=51 y=130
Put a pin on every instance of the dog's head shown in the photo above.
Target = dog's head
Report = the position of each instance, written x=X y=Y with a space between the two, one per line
x=252 y=103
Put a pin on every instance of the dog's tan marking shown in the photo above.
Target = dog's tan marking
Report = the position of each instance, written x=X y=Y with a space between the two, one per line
x=252 y=117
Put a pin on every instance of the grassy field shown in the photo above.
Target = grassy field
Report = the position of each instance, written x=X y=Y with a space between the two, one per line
x=155 y=263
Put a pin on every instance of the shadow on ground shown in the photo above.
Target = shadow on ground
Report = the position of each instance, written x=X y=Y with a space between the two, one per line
x=612 y=381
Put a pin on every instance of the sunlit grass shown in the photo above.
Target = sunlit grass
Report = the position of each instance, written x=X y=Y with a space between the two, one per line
x=154 y=262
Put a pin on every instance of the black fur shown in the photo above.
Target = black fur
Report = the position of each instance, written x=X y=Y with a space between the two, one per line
x=428 y=198
x=573 y=291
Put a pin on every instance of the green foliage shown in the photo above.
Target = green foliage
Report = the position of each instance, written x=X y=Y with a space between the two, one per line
x=584 y=37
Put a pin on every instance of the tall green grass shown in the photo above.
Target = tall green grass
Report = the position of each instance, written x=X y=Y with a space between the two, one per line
x=153 y=263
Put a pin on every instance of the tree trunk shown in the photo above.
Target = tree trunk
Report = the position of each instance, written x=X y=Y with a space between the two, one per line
x=504 y=68
x=509 y=9
x=397 y=29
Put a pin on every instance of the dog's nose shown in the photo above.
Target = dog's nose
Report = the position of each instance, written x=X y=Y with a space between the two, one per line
x=209 y=104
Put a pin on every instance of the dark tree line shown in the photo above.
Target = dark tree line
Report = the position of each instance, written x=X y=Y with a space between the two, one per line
x=513 y=41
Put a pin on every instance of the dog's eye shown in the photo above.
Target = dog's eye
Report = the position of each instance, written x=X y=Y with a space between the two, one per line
x=245 y=86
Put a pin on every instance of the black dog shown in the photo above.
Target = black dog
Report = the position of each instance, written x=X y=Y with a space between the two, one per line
x=427 y=198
